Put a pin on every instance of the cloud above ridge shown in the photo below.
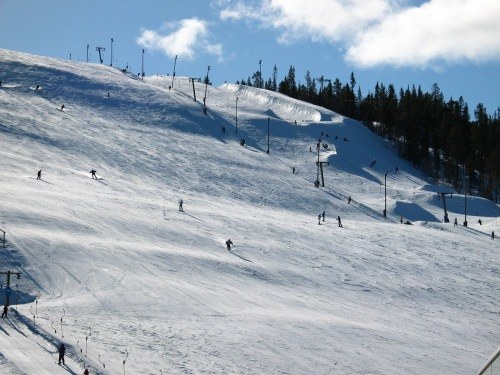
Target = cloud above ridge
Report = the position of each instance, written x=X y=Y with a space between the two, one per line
x=382 y=32
x=186 y=38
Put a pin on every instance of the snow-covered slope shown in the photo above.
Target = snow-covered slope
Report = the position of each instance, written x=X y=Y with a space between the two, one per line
x=116 y=268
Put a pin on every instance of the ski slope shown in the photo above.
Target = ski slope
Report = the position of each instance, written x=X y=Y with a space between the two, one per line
x=113 y=264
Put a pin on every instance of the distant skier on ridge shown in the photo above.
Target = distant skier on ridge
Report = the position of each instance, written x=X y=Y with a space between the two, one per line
x=228 y=244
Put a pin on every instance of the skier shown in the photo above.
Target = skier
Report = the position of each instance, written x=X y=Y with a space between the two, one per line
x=228 y=244
x=62 y=107
x=323 y=215
x=310 y=149
x=37 y=87
x=180 y=205
x=39 y=175
x=5 y=310
x=293 y=169
x=492 y=235
x=480 y=222
x=319 y=219
x=93 y=172
x=340 y=222
x=108 y=94
x=349 y=200
x=455 y=223
x=62 y=351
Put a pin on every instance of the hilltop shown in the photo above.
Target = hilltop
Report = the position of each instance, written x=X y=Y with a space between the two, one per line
x=121 y=266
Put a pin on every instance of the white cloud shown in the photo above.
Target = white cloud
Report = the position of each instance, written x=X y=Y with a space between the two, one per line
x=383 y=32
x=190 y=36
x=450 y=31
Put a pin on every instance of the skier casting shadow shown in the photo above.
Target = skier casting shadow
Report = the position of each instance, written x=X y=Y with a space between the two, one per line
x=228 y=244
x=62 y=352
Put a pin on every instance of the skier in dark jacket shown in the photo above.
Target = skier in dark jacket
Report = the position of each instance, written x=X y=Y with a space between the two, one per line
x=62 y=351
x=323 y=215
x=340 y=222
x=39 y=175
x=92 y=173
x=229 y=243
x=5 y=309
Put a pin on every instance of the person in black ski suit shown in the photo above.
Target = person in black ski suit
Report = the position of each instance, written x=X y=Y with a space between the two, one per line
x=340 y=222
x=39 y=175
x=229 y=243
x=5 y=310
x=62 y=351
x=92 y=173
x=323 y=214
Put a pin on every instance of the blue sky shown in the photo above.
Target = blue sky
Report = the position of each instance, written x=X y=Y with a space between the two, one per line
x=454 y=43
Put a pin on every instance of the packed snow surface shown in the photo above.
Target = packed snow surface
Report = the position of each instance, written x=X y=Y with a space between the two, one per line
x=130 y=284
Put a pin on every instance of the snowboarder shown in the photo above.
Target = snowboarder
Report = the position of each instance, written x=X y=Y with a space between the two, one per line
x=455 y=223
x=181 y=209
x=228 y=244
x=5 y=310
x=323 y=215
x=93 y=172
x=62 y=351
x=293 y=169
x=340 y=222
x=39 y=175
x=319 y=219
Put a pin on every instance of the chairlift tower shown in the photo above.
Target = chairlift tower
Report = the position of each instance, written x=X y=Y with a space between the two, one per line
x=191 y=79
x=8 y=290
x=443 y=195
x=99 y=49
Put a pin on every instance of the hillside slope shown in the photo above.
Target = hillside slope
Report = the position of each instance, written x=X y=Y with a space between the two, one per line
x=121 y=266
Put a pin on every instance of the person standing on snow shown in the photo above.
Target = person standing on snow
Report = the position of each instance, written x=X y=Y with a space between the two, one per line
x=62 y=351
x=340 y=222
x=5 y=310
x=181 y=209
x=319 y=219
x=324 y=214
x=39 y=175
x=92 y=173
x=228 y=244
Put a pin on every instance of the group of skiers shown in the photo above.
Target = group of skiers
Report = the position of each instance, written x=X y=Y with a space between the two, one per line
x=92 y=174
x=321 y=217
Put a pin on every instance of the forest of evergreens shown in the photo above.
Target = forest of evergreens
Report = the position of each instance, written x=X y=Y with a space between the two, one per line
x=438 y=136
